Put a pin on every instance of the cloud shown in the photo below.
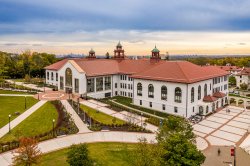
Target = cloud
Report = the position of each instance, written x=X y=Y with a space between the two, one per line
x=50 y=16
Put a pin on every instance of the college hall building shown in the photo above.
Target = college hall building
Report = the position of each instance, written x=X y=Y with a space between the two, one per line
x=175 y=87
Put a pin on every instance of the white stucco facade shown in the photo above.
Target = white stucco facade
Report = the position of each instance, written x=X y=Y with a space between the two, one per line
x=122 y=85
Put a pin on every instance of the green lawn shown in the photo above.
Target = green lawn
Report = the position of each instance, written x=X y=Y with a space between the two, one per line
x=12 y=104
x=99 y=116
x=104 y=154
x=128 y=102
x=13 y=92
x=37 y=123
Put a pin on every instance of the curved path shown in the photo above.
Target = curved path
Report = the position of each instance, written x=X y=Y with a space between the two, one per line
x=66 y=141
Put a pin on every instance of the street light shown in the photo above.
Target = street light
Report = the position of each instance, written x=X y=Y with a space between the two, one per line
x=53 y=121
x=25 y=106
x=9 y=122
x=141 y=118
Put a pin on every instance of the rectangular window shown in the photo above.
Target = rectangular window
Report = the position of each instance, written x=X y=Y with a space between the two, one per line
x=193 y=109
x=90 y=84
x=99 y=84
x=120 y=85
x=52 y=76
x=176 y=109
x=107 y=83
x=150 y=104
x=116 y=93
x=61 y=83
x=121 y=77
x=76 y=85
x=140 y=102
x=125 y=86
x=56 y=76
x=47 y=75
x=163 y=107
x=115 y=85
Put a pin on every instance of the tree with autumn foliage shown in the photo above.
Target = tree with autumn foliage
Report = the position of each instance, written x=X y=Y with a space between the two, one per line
x=28 y=153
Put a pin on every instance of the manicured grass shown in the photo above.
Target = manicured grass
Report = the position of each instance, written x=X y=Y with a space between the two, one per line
x=128 y=102
x=104 y=154
x=99 y=116
x=37 y=123
x=13 y=92
x=12 y=104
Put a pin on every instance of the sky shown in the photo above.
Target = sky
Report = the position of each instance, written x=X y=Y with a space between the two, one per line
x=190 y=27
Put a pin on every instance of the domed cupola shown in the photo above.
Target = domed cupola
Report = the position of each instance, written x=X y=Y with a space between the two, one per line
x=155 y=53
x=119 y=52
x=91 y=54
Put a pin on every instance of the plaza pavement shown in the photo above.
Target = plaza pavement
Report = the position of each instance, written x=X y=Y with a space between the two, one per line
x=4 y=130
x=77 y=120
x=224 y=128
x=66 y=141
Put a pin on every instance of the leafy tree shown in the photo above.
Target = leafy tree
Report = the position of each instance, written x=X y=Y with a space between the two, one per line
x=177 y=142
x=107 y=56
x=28 y=153
x=173 y=125
x=147 y=154
x=243 y=86
x=232 y=80
x=79 y=156
x=179 y=151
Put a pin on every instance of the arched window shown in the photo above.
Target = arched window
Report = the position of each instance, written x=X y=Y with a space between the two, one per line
x=205 y=90
x=177 y=93
x=207 y=109
x=68 y=76
x=192 y=95
x=199 y=92
x=164 y=92
x=139 y=89
x=150 y=91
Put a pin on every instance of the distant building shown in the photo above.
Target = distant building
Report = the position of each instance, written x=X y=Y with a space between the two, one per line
x=175 y=87
x=243 y=77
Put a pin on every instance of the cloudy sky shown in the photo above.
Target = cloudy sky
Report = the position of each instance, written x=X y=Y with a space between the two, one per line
x=75 y=26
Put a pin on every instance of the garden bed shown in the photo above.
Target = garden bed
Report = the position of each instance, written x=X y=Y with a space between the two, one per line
x=99 y=121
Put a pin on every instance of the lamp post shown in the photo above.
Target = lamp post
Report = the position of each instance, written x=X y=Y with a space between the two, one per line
x=53 y=121
x=25 y=105
x=78 y=105
x=141 y=118
x=9 y=122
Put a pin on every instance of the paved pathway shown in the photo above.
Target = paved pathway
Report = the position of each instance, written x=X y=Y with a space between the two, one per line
x=66 y=141
x=4 y=130
x=32 y=86
x=224 y=128
x=79 y=123
x=123 y=115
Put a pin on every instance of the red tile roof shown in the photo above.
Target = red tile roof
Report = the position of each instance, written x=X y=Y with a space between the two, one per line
x=173 y=71
x=230 y=68
x=57 y=65
x=180 y=71
x=245 y=71
x=219 y=94
x=209 y=98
